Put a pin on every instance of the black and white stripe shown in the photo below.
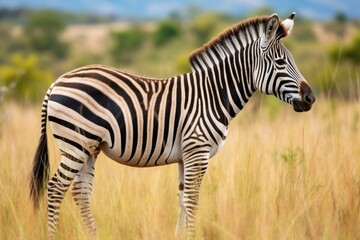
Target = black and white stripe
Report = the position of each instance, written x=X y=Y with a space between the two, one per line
x=144 y=122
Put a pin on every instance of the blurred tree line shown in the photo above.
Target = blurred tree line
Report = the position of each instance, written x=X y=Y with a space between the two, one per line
x=34 y=51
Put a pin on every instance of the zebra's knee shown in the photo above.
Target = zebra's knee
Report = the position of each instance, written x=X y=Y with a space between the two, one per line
x=75 y=189
x=181 y=195
x=81 y=193
x=56 y=188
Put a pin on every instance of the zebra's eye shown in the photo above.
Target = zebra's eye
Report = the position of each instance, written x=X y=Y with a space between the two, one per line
x=280 y=61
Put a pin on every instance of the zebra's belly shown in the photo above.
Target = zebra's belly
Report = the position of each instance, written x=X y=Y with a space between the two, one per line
x=158 y=157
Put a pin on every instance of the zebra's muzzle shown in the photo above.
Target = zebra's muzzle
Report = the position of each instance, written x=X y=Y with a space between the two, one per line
x=307 y=98
x=300 y=106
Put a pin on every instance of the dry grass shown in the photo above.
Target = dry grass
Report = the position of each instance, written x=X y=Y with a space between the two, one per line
x=279 y=176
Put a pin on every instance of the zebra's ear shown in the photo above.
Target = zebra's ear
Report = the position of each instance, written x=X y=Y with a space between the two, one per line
x=287 y=25
x=271 y=26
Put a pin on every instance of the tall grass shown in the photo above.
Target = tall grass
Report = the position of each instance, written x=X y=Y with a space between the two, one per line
x=279 y=176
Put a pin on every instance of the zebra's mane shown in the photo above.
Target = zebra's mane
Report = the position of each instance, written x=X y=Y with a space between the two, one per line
x=227 y=42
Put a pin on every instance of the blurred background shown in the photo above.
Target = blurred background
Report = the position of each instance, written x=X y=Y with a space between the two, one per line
x=292 y=176
x=41 y=39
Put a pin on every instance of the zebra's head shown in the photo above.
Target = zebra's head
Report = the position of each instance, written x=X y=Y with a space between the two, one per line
x=275 y=69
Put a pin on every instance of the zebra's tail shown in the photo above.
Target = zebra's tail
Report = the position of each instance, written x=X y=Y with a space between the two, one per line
x=39 y=175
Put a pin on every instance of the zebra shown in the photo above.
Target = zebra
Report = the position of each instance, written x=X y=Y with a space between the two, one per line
x=144 y=122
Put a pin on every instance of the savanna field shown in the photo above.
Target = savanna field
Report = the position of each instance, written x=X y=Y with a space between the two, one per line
x=280 y=175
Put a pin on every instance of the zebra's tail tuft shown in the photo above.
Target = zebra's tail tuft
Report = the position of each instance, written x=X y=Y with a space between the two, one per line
x=39 y=175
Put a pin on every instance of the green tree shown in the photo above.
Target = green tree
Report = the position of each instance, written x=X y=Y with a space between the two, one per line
x=24 y=79
x=166 y=31
x=209 y=24
x=203 y=26
x=343 y=73
x=337 y=25
x=340 y=17
x=43 y=33
x=350 y=52
x=125 y=43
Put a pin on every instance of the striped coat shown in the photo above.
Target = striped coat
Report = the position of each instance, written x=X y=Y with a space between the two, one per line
x=142 y=122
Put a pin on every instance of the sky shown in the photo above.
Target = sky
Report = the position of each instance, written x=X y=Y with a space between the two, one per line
x=316 y=9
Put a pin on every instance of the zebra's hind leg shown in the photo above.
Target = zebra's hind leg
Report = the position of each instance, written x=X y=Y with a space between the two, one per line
x=81 y=192
x=58 y=186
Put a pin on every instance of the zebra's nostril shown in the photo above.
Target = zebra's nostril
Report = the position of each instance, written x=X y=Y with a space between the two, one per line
x=306 y=93
x=309 y=98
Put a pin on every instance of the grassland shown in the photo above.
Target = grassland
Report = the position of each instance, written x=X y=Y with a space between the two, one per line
x=280 y=175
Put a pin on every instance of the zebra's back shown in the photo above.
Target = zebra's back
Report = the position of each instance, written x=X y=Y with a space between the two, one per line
x=134 y=120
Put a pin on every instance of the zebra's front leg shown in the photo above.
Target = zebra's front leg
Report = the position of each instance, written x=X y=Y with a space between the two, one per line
x=81 y=193
x=180 y=232
x=195 y=166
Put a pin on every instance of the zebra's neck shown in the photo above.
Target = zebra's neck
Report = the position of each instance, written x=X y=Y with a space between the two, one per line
x=227 y=62
x=227 y=44
x=228 y=84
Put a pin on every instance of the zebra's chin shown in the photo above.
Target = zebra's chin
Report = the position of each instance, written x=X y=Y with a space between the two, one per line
x=301 y=106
